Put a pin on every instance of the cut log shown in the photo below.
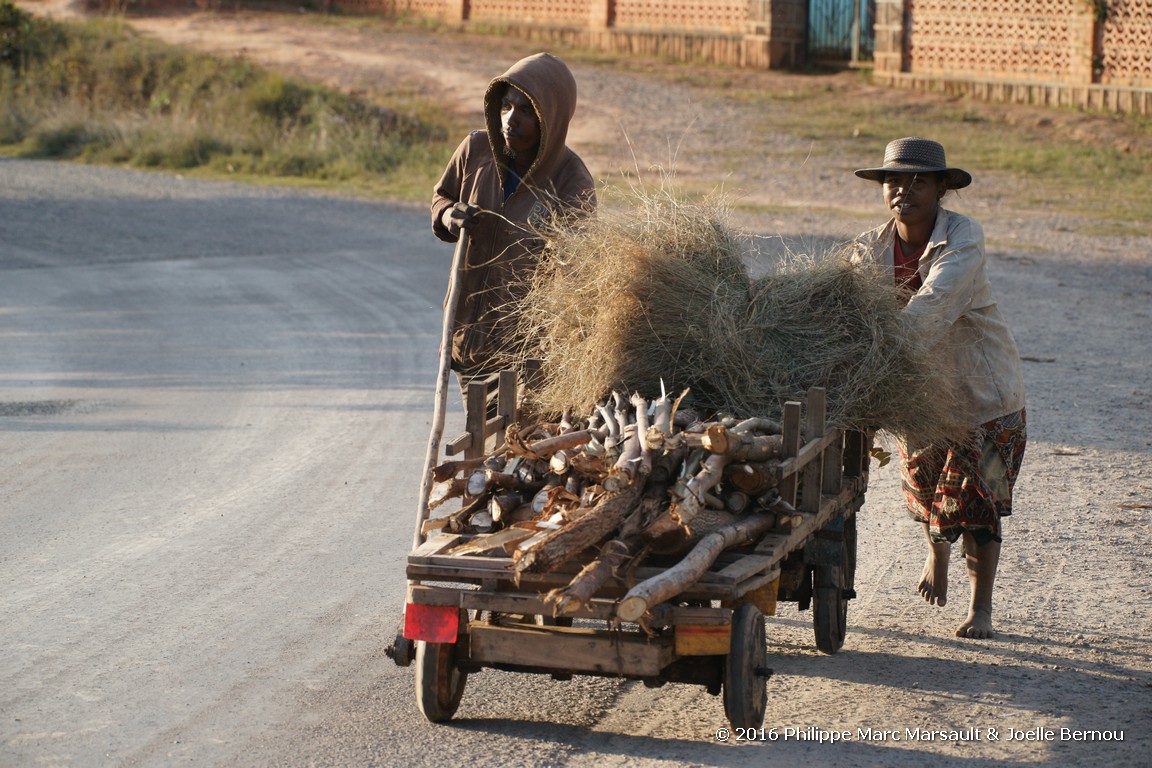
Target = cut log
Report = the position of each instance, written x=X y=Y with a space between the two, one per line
x=760 y=426
x=787 y=516
x=581 y=589
x=458 y=520
x=488 y=479
x=755 y=479
x=737 y=502
x=691 y=496
x=635 y=459
x=504 y=504
x=443 y=491
x=452 y=468
x=742 y=446
x=695 y=564
x=565 y=543
x=626 y=467
x=613 y=427
x=544 y=449
x=641 y=406
x=662 y=414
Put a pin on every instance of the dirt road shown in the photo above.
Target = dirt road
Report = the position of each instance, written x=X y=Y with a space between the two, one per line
x=213 y=402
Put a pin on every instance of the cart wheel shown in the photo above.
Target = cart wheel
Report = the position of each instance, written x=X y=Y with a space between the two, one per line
x=745 y=670
x=439 y=682
x=832 y=585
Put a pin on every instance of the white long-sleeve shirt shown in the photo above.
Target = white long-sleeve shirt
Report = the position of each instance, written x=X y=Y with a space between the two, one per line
x=958 y=313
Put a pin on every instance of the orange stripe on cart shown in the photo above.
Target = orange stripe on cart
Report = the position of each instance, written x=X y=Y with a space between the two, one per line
x=700 y=640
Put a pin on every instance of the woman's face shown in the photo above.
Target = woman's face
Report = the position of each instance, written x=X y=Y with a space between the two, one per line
x=913 y=198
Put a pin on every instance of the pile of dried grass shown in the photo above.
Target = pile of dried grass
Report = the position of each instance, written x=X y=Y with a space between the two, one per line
x=656 y=293
x=824 y=321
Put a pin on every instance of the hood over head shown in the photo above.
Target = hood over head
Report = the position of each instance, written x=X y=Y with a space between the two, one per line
x=550 y=86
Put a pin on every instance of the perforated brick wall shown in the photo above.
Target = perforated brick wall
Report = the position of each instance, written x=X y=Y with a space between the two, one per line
x=1126 y=44
x=1019 y=38
x=533 y=11
x=1027 y=42
x=762 y=34
x=693 y=15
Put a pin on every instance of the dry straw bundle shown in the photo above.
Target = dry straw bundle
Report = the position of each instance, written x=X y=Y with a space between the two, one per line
x=656 y=293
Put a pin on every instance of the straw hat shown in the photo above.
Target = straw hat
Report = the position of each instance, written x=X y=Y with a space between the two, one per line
x=913 y=155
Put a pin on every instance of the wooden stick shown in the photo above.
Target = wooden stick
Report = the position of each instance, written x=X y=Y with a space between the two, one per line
x=451 y=468
x=759 y=425
x=543 y=449
x=691 y=497
x=742 y=446
x=441 y=385
x=583 y=586
x=565 y=543
x=755 y=478
x=636 y=458
x=442 y=492
x=671 y=582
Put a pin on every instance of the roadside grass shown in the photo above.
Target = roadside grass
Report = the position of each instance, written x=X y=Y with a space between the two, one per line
x=1059 y=173
x=97 y=92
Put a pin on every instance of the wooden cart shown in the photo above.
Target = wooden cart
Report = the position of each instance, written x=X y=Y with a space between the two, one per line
x=468 y=612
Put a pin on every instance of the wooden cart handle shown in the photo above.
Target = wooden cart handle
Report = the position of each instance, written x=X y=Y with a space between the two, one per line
x=441 y=386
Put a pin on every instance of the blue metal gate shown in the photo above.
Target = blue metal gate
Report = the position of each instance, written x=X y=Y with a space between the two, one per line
x=841 y=30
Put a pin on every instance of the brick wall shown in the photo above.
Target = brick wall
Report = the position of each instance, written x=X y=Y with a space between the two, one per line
x=1098 y=50
x=1035 y=39
x=765 y=34
x=561 y=12
x=1062 y=41
x=688 y=15
x=1087 y=53
x=1125 y=50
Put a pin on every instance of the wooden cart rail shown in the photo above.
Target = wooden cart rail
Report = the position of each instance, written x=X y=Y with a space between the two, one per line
x=733 y=575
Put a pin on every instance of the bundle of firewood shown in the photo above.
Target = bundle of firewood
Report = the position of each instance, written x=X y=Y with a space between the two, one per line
x=632 y=478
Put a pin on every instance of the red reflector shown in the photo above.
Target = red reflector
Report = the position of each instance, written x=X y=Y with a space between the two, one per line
x=431 y=623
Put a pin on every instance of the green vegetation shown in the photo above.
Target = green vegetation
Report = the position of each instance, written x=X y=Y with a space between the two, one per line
x=97 y=92
x=1059 y=171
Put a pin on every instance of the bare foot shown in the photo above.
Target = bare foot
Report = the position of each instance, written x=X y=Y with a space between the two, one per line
x=982 y=562
x=933 y=586
x=978 y=625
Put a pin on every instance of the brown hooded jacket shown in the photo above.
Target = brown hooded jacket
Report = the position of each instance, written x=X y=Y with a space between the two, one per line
x=503 y=250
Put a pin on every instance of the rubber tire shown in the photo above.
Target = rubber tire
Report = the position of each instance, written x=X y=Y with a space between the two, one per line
x=745 y=687
x=439 y=682
x=829 y=616
x=830 y=585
